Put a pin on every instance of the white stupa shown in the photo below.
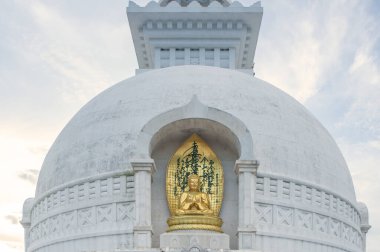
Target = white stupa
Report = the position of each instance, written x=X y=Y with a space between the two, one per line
x=286 y=184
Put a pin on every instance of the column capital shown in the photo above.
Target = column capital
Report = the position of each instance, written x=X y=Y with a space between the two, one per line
x=246 y=166
x=143 y=228
x=364 y=228
x=25 y=224
x=143 y=165
x=250 y=229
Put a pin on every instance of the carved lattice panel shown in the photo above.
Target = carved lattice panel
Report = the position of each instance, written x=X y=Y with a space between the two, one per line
x=304 y=219
x=264 y=213
x=284 y=216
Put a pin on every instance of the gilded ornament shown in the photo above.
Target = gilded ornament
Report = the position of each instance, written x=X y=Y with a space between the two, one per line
x=194 y=187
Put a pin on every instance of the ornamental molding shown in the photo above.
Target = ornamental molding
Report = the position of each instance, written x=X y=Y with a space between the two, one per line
x=96 y=207
x=307 y=198
x=305 y=210
x=99 y=220
x=299 y=224
x=193 y=4
x=185 y=3
x=80 y=181
x=82 y=195
x=287 y=181
x=181 y=25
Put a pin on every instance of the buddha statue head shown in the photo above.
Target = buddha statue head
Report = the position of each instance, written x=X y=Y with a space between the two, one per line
x=193 y=182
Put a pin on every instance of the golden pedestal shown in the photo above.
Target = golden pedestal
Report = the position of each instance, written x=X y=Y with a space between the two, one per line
x=195 y=222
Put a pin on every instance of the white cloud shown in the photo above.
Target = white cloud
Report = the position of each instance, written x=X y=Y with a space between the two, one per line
x=304 y=46
x=326 y=54
x=67 y=47
x=16 y=158
x=10 y=247
x=364 y=160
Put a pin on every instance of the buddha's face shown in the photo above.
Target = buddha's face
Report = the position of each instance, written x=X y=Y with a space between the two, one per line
x=193 y=184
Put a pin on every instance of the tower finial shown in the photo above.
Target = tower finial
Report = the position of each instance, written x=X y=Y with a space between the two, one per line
x=195 y=32
x=185 y=3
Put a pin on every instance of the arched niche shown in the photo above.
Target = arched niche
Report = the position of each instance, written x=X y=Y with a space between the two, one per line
x=204 y=118
x=224 y=133
x=226 y=146
x=212 y=132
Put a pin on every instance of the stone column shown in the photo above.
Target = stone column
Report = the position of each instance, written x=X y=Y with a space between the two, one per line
x=364 y=222
x=232 y=57
x=26 y=226
x=217 y=57
x=172 y=56
x=187 y=56
x=202 y=56
x=364 y=229
x=157 y=57
x=26 y=220
x=142 y=232
x=246 y=171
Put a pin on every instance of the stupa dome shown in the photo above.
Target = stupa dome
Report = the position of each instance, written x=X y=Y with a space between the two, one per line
x=286 y=139
x=88 y=185
x=120 y=175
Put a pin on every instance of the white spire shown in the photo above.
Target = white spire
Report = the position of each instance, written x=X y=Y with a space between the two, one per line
x=195 y=32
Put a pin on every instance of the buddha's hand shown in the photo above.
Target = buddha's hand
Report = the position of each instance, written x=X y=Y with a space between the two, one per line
x=194 y=206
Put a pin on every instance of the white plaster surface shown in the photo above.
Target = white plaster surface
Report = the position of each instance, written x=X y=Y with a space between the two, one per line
x=304 y=197
x=287 y=140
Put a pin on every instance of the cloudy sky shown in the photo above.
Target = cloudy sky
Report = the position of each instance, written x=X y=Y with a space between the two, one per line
x=56 y=55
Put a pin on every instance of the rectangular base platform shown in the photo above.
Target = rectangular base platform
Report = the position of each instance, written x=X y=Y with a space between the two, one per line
x=175 y=250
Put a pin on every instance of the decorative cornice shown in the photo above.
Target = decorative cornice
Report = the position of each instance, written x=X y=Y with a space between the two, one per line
x=143 y=165
x=185 y=3
x=246 y=166
x=194 y=4
x=39 y=198
x=365 y=228
x=85 y=194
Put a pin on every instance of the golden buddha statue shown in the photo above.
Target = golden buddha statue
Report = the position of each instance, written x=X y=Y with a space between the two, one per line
x=190 y=207
x=193 y=201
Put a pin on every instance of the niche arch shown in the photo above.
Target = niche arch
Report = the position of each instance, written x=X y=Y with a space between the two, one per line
x=224 y=133
x=157 y=128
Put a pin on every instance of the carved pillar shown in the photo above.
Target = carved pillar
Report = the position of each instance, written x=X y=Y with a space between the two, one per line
x=246 y=171
x=217 y=57
x=142 y=232
x=364 y=229
x=157 y=57
x=232 y=54
x=26 y=220
x=364 y=222
x=172 y=56
x=26 y=226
